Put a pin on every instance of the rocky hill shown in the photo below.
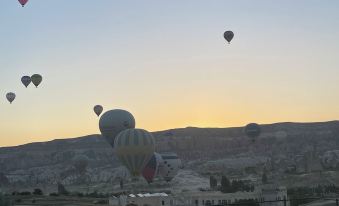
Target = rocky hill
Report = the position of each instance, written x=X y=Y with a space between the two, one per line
x=282 y=149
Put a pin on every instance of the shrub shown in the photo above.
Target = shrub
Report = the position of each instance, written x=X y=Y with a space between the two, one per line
x=4 y=201
x=24 y=193
x=37 y=191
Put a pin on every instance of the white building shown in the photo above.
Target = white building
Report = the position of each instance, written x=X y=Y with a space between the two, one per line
x=273 y=196
x=217 y=198
x=266 y=196
x=155 y=199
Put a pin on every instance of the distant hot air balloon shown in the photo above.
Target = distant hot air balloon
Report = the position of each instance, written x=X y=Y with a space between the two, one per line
x=80 y=163
x=98 y=109
x=113 y=122
x=134 y=148
x=10 y=97
x=170 y=166
x=151 y=169
x=23 y=2
x=252 y=131
x=36 y=79
x=26 y=80
x=228 y=35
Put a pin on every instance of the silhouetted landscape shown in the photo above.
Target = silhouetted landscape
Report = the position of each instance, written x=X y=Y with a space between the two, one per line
x=287 y=151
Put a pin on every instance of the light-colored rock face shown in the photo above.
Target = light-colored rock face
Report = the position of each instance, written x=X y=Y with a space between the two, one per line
x=330 y=159
x=202 y=151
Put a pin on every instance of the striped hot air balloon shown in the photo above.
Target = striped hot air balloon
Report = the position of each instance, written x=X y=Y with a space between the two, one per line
x=134 y=148
x=151 y=169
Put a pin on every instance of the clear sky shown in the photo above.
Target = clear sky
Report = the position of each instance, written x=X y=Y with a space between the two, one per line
x=167 y=63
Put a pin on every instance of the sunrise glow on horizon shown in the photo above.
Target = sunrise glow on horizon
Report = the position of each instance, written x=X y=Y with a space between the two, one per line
x=167 y=63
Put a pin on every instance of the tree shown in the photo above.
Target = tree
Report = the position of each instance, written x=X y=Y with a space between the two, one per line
x=225 y=185
x=264 y=178
x=4 y=201
x=213 y=182
x=121 y=184
x=3 y=179
x=62 y=190
x=37 y=191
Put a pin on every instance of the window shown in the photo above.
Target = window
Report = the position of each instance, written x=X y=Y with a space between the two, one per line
x=224 y=202
x=162 y=202
x=197 y=202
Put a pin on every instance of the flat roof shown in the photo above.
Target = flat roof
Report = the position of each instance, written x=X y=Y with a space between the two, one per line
x=162 y=194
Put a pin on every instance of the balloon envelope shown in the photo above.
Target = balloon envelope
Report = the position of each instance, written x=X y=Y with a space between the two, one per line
x=150 y=171
x=26 y=80
x=252 y=130
x=23 y=2
x=10 y=96
x=80 y=162
x=228 y=35
x=170 y=166
x=98 y=109
x=36 y=79
x=134 y=148
x=113 y=122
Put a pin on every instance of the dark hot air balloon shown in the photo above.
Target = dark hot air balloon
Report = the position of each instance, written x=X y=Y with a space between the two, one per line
x=36 y=79
x=26 y=80
x=98 y=109
x=252 y=131
x=113 y=122
x=10 y=96
x=228 y=35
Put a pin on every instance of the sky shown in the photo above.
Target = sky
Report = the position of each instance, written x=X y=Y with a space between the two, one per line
x=167 y=63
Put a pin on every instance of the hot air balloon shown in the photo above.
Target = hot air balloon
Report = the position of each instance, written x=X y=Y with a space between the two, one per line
x=252 y=131
x=36 y=79
x=23 y=2
x=80 y=163
x=10 y=97
x=98 y=109
x=228 y=35
x=26 y=80
x=281 y=135
x=134 y=148
x=151 y=169
x=170 y=166
x=113 y=122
